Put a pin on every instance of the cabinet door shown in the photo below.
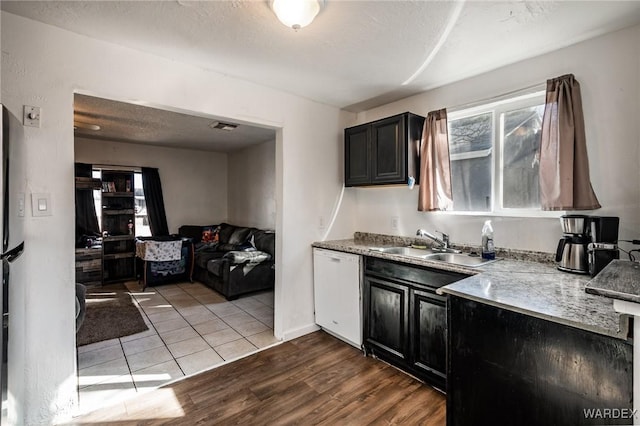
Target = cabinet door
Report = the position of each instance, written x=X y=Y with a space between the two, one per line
x=429 y=333
x=357 y=155
x=389 y=150
x=508 y=368
x=386 y=317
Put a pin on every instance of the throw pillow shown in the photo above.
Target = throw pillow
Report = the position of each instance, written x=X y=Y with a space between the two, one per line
x=210 y=234
x=207 y=235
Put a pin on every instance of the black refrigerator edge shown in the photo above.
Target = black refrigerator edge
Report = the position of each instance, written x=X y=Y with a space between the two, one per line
x=11 y=126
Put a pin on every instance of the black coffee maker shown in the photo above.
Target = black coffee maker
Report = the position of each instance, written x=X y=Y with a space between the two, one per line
x=589 y=243
x=603 y=247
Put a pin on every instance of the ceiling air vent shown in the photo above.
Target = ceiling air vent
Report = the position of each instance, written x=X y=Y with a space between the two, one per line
x=223 y=126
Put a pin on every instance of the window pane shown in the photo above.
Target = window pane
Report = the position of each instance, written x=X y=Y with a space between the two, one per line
x=470 y=147
x=142 y=222
x=97 y=197
x=521 y=140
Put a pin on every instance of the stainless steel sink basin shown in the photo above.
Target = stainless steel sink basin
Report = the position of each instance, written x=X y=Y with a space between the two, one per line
x=427 y=254
x=458 y=259
x=405 y=251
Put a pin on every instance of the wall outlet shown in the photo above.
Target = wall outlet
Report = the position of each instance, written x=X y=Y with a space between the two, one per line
x=321 y=222
x=395 y=223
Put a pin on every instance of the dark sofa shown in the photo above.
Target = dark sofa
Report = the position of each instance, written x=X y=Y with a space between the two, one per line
x=233 y=260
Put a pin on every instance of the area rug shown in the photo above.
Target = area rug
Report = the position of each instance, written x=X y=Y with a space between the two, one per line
x=110 y=313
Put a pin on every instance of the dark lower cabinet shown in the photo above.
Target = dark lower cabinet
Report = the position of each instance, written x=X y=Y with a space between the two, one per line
x=428 y=332
x=507 y=368
x=387 y=311
x=405 y=321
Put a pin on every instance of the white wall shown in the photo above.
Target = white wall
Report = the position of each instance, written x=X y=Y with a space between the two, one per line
x=608 y=71
x=194 y=183
x=43 y=66
x=252 y=186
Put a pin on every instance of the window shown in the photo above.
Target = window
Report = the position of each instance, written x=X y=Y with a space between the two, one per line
x=142 y=222
x=494 y=156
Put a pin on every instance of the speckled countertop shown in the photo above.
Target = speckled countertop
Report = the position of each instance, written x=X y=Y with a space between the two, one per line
x=533 y=288
x=620 y=279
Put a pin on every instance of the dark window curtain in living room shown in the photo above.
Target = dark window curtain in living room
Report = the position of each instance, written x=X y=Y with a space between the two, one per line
x=564 y=164
x=435 y=191
x=155 y=202
x=86 y=218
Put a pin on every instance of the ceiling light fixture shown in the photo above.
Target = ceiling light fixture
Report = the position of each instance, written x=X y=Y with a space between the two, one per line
x=85 y=126
x=296 y=14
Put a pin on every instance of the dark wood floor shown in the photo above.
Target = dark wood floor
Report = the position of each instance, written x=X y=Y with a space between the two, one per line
x=315 y=379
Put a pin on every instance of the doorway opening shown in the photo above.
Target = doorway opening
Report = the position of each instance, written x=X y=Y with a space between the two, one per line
x=205 y=171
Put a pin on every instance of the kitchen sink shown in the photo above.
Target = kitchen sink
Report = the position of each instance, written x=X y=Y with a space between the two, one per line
x=458 y=259
x=427 y=254
x=405 y=251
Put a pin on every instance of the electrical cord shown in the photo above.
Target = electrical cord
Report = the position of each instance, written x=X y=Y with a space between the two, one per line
x=636 y=242
x=630 y=253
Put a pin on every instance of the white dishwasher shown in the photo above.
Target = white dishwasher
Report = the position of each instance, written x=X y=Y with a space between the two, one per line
x=336 y=289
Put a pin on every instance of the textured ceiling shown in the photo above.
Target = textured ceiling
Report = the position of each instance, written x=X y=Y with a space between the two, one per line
x=356 y=55
x=125 y=122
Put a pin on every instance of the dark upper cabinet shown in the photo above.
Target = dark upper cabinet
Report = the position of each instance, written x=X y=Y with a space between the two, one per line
x=358 y=155
x=384 y=151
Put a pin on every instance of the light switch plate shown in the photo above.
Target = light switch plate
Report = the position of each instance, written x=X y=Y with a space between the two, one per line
x=31 y=116
x=41 y=204
x=21 y=205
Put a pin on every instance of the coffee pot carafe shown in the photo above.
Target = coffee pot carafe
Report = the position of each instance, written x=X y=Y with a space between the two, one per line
x=571 y=254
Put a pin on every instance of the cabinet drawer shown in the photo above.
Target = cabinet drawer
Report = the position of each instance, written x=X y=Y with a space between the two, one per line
x=413 y=274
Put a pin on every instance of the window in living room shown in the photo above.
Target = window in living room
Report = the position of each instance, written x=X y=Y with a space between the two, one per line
x=142 y=221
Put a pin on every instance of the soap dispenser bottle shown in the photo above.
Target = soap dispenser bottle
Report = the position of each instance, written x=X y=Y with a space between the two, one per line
x=488 y=249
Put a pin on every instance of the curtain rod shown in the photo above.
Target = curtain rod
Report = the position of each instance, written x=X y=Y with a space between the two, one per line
x=117 y=167
x=525 y=90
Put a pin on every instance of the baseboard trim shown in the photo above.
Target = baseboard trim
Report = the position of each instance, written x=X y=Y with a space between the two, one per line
x=301 y=331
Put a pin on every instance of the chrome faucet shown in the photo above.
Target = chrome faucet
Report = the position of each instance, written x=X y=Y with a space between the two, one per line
x=443 y=243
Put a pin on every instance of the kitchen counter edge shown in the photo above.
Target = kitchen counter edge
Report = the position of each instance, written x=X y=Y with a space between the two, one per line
x=529 y=288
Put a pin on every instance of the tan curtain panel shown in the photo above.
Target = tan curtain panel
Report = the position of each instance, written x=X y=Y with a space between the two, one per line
x=435 y=169
x=564 y=165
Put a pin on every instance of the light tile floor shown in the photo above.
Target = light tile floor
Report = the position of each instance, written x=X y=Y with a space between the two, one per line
x=191 y=328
